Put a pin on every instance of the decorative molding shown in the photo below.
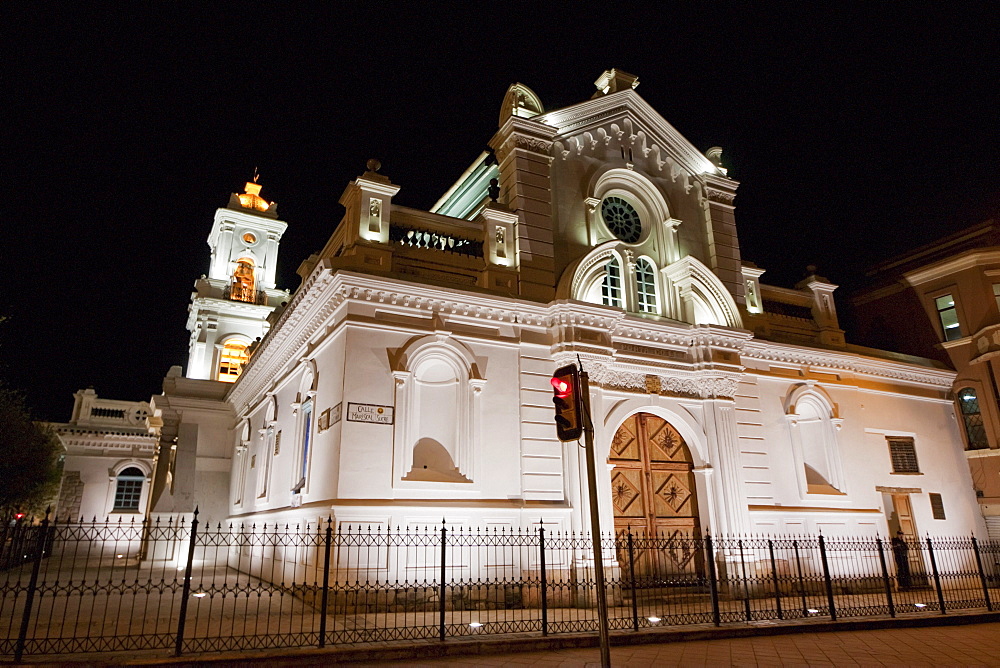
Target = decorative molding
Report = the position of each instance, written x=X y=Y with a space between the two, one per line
x=720 y=196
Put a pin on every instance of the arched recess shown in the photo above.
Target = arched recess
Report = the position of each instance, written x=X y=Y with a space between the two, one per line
x=701 y=298
x=438 y=412
x=814 y=424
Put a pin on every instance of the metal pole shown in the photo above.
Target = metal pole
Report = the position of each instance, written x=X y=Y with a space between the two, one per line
x=595 y=524
x=186 y=589
x=326 y=582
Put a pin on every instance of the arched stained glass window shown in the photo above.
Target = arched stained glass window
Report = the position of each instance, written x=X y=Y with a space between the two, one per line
x=645 y=282
x=975 y=432
x=611 y=286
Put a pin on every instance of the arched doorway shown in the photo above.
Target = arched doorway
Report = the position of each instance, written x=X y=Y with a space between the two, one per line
x=653 y=495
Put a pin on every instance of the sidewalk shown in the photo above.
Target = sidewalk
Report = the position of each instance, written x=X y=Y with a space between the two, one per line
x=928 y=640
x=972 y=645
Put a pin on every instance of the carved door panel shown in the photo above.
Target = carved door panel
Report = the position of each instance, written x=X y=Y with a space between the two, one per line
x=653 y=494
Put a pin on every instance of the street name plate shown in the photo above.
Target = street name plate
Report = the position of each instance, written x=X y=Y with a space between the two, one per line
x=369 y=413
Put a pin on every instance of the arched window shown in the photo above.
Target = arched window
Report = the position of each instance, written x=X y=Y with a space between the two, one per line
x=611 y=285
x=975 y=432
x=645 y=283
x=128 y=490
x=244 y=284
x=231 y=360
x=305 y=442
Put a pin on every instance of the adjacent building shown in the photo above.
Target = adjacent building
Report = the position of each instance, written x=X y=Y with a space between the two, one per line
x=942 y=301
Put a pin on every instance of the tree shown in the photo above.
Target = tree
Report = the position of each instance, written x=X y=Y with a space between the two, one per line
x=29 y=458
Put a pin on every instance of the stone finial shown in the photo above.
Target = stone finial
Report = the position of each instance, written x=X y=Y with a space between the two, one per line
x=373 y=165
x=614 y=80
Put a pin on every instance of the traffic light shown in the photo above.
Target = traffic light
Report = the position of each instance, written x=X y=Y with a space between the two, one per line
x=569 y=402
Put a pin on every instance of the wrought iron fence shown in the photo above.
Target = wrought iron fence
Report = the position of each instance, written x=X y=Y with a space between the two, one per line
x=79 y=587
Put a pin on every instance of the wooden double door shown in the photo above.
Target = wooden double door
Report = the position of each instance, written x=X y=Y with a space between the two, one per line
x=653 y=493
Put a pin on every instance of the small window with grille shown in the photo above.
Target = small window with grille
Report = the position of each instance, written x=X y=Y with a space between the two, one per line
x=903 y=455
x=937 y=506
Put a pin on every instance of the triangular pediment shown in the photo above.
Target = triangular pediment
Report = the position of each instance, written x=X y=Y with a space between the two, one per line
x=624 y=122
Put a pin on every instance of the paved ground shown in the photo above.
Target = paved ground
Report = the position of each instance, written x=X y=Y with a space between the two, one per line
x=971 y=645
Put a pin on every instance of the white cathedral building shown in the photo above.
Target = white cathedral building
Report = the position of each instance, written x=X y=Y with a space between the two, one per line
x=406 y=379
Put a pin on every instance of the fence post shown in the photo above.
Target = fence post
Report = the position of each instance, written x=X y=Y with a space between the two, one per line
x=545 y=585
x=712 y=584
x=937 y=577
x=326 y=582
x=746 y=587
x=774 y=576
x=22 y=636
x=826 y=579
x=631 y=575
x=982 y=574
x=885 y=576
x=444 y=565
x=802 y=583
x=186 y=589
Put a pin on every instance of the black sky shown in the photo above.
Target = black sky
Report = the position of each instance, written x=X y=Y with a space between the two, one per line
x=855 y=133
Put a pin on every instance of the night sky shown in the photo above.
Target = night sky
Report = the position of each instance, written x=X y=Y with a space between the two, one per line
x=855 y=134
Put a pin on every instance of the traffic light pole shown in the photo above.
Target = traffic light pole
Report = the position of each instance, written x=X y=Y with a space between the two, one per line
x=595 y=522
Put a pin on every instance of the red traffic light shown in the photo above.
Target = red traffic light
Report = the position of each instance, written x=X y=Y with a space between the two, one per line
x=568 y=402
x=18 y=516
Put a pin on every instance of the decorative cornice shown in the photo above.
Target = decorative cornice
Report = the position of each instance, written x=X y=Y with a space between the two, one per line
x=940 y=379
x=720 y=196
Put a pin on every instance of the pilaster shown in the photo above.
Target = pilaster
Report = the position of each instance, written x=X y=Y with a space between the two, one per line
x=720 y=231
x=523 y=148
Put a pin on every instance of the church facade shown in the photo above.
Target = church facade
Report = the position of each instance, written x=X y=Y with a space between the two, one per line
x=406 y=380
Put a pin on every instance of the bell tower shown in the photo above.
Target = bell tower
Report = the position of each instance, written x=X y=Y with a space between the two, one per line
x=229 y=307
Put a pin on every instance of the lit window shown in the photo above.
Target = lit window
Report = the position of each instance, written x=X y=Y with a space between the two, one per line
x=949 y=317
x=611 y=286
x=243 y=283
x=307 y=413
x=128 y=490
x=975 y=432
x=646 y=286
x=231 y=360
x=903 y=455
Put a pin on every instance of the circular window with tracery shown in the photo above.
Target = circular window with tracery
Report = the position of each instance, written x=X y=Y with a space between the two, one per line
x=622 y=219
